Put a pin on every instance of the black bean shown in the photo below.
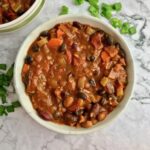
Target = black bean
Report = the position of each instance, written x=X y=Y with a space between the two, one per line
x=79 y=112
x=92 y=82
x=109 y=40
x=44 y=34
x=82 y=95
x=77 y=25
x=62 y=48
x=28 y=60
x=91 y=58
x=35 y=48
x=103 y=101
x=20 y=12
x=70 y=117
x=64 y=94
x=101 y=91
x=57 y=115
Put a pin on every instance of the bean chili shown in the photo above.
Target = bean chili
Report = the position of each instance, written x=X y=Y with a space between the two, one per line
x=75 y=74
x=12 y=9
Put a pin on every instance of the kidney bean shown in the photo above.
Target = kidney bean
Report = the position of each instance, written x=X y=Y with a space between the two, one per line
x=95 y=110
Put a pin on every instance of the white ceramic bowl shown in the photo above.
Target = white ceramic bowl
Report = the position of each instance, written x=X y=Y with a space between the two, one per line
x=20 y=89
x=23 y=19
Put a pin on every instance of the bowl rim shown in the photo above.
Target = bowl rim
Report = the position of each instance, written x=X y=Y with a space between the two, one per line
x=20 y=18
x=60 y=128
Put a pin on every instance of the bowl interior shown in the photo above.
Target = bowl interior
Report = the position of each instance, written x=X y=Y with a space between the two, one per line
x=24 y=99
x=27 y=13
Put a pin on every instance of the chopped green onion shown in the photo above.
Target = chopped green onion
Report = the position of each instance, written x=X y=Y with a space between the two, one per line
x=124 y=31
x=125 y=28
x=10 y=108
x=132 y=30
x=78 y=2
x=16 y=104
x=106 y=7
x=116 y=23
x=93 y=2
x=94 y=11
x=126 y=25
x=64 y=10
x=3 y=66
x=117 y=6
x=107 y=14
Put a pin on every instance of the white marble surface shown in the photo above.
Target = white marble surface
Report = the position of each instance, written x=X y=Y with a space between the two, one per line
x=130 y=131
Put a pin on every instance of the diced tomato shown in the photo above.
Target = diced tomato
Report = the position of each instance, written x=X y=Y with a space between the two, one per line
x=55 y=42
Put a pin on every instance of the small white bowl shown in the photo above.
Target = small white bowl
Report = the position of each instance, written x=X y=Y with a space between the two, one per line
x=20 y=89
x=24 y=18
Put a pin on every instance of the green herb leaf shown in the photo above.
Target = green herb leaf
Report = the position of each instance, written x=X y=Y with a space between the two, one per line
x=9 y=108
x=94 y=11
x=3 y=66
x=132 y=30
x=2 y=110
x=117 y=6
x=16 y=104
x=10 y=72
x=64 y=10
x=78 y=2
x=2 y=91
x=3 y=99
x=4 y=81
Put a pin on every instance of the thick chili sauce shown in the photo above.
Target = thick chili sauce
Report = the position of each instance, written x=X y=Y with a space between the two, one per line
x=75 y=74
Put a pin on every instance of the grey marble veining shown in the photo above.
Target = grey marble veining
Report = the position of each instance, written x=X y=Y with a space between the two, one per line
x=129 y=132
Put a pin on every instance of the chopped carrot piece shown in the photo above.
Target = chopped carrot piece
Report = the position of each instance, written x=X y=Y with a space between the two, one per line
x=25 y=68
x=69 y=56
x=105 y=57
x=60 y=33
x=54 y=42
x=96 y=40
x=111 y=50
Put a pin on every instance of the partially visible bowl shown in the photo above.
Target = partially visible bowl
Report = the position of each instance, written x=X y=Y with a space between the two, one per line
x=20 y=89
x=24 y=19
